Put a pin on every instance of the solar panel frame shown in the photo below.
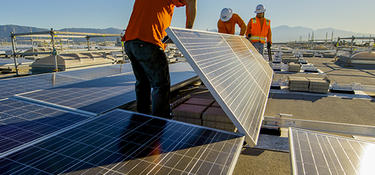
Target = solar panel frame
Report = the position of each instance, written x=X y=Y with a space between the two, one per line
x=173 y=140
x=314 y=152
x=251 y=138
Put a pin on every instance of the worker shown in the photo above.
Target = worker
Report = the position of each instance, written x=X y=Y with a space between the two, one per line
x=145 y=49
x=228 y=20
x=258 y=29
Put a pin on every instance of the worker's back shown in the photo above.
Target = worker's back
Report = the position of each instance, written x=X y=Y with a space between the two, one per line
x=229 y=27
x=150 y=19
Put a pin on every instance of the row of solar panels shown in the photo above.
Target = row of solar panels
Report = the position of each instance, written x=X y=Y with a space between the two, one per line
x=50 y=140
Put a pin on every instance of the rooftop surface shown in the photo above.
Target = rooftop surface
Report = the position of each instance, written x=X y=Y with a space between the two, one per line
x=339 y=73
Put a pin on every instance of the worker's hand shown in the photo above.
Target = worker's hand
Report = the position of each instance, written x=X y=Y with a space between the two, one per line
x=165 y=39
x=269 y=45
x=249 y=36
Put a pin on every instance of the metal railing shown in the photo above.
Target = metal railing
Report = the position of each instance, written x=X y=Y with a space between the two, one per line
x=53 y=35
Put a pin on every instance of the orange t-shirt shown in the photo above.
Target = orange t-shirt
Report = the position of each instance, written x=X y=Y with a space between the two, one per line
x=229 y=27
x=150 y=19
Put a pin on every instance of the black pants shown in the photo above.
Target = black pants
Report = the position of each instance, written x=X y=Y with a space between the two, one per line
x=151 y=70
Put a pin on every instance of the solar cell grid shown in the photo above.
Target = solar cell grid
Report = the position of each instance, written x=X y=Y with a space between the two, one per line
x=22 y=122
x=236 y=75
x=318 y=153
x=124 y=143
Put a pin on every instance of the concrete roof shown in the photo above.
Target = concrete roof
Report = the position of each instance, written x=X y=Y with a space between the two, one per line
x=265 y=162
x=364 y=74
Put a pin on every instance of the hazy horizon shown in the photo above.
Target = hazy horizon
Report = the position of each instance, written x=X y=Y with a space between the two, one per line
x=340 y=14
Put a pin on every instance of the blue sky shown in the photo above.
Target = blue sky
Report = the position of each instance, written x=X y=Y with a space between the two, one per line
x=352 y=15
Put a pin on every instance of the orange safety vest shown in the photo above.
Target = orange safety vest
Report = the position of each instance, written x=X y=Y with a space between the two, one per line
x=258 y=33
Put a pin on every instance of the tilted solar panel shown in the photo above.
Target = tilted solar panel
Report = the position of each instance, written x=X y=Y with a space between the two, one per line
x=318 y=153
x=234 y=72
x=22 y=122
x=125 y=143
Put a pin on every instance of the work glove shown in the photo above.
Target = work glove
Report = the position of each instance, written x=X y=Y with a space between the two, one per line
x=166 y=39
x=269 y=45
x=249 y=36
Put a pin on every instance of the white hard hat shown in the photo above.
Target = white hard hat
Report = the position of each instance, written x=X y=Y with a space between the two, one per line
x=260 y=9
x=226 y=14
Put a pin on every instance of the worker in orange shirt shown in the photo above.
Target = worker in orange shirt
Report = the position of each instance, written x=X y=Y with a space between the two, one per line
x=228 y=20
x=145 y=49
x=259 y=30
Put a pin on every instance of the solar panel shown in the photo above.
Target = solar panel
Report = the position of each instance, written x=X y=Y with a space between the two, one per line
x=318 y=153
x=103 y=94
x=96 y=96
x=98 y=72
x=13 y=86
x=234 y=72
x=124 y=143
x=22 y=122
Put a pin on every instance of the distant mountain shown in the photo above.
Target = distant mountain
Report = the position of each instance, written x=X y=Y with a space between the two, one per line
x=286 y=33
x=6 y=29
x=281 y=33
x=91 y=30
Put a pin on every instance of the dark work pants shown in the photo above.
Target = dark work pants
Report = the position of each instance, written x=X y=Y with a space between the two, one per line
x=260 y=47
x=151 y=70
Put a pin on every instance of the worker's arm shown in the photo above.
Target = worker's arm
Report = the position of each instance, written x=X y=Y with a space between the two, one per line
x=242 y=25
x=219 y=27
x=248 y=31
x=191 y=12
